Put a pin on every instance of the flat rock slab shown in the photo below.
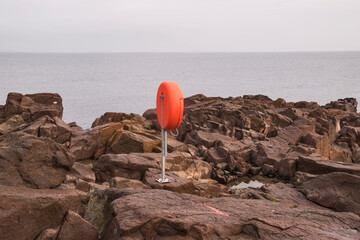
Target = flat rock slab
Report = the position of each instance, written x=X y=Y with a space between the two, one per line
x=160 y=214
x=204 y=188
x=320 y=166
x=26 y=212
x=176 y=184
x=338 y=190
x=122 y=165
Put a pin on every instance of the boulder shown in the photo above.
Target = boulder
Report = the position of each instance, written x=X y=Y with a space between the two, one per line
x=217 y=155
x=11 y=124
x=293 y=133
x=200 y=138
x=338 y=190
x=77 y=228
x=131 y=142
x=340 y=154
x=109 y=117
x=122 y=165
x=286 y=168
x=83 y=171
x=121 y=183
x=92 y=143
x=26 y=160
x=292 y=113
x=319 y=142
x=307 y=105
x=346 y=104
x=25 y=212
x=33 y=106
x=280 y=120
x=53 y=128
x=171 y=215
x=269 y=152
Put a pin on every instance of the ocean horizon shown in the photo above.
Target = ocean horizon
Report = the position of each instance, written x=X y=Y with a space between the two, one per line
x=94 y=83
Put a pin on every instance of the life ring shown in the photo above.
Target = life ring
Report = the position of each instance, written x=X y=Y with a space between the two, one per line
x=173 y=105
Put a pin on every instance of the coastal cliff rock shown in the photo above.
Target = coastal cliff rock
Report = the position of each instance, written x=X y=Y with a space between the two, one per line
x=58 y=181
x=269 y=134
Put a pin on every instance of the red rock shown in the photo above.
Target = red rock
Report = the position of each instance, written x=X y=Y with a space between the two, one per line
x=11 y=124
x=77 y=228
x=217 y=155
x=27 y=212
x=53 y=128
x=286 y=168
x=337 y=190
x=131 y=142
x=163 y=214
x=292 y=113
x=346 y=104
x=121 y=183
x=48 y=234
x=82 y=171
x=321 y=143
x=34 y=106
x=308 y=105
x=315 y=165
x=91 y=142
x=34 y=162
x=109 y=117
x=122 y=165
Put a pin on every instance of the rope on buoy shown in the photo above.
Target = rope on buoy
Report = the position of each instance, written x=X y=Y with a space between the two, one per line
x=175 y=135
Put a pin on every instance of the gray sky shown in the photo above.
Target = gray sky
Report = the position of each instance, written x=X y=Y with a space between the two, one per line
x=179 y=25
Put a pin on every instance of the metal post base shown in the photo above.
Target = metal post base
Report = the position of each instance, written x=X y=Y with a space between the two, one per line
x=165 y=180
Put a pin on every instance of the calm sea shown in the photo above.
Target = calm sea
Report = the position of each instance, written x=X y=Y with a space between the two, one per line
x=91 y=84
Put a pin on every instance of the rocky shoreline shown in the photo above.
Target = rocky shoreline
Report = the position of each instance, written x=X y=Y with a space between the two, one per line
x=58 y=181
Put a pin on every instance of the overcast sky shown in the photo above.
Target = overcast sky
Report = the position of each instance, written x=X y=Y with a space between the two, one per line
x=179 y=25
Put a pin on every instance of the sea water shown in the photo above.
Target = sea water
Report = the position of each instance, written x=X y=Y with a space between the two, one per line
x=94 y=83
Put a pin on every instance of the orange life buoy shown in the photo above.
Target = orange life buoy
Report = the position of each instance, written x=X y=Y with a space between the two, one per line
x=173 y=105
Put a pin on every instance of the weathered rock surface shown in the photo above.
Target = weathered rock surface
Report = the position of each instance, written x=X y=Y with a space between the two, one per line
x=209 y=188
x=184 y=216
x=11 y=124
x=49 y=234
x=315 y=165
x=33 y=162
x=53 y=128
x=337 y=190
x=346 y=104
x=83 y=171
x=122 y=183
x=25 y=212
x=92 y=143
x=122 y=165
x=131 y=142
x=119 y=117
x=33 y=106
x=77 y=228
x=221 y=140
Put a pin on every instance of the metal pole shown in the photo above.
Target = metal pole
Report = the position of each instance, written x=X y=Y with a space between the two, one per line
x=163 y=145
